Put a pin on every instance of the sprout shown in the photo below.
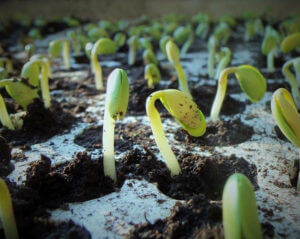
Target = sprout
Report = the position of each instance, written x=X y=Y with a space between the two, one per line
x=149 y=57
x=202 y=29
x=133 y=43
x=44 y=58
x=57 y=47
x=4 y=117
x=88 y=49
x=162 y=44
x=186 y=113
x=96 y=33
x=152 y=74
x=286 y=116
x=29 y=50
x=253 y=28
x=181 y=34
x=35 y=34
x=103 y=46
x=269 y=47
x=240 y=216
x=222 y=32
x=186 y=46
x=119 y=40
x=212 y=46
x=7 y=212
x=251 y=82
x=228 y=19
x=145 y=43
x=117 y=96
x=293 y=80
x=225 y=57
x=75 y=41
x=173 y=56
x=290 y=42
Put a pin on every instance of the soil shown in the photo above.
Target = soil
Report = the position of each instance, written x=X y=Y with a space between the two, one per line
x=220 y=133
x=5 y=156
x=40 y=124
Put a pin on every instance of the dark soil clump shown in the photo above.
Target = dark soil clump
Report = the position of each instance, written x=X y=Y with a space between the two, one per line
x=40 y=124
x=5 y=156
x=221 y=133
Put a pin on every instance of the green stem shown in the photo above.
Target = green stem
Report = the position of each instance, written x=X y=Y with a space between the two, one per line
x=221 y=92
x=270 y=61
x=108 y=146
x=159 y=135
x=4 y=117
x=7 y=214
x=131 y=55
x=97 y=70
x=45 y=85
x=183 y=85
x=211 y=62
x=66 y=54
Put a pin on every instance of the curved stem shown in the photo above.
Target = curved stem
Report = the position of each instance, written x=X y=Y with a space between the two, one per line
x=221 y=92
x=159 y=135
x=270 y=61
x=222 y=65
x=108 y=146
x=97 y=70
x=4 y=117
x=183 y=85
x=7 y=214
x=66 y=54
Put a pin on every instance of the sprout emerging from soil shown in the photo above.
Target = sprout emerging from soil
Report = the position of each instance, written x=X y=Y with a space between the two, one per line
x=240 y=216
x=294 y=80
x=145 y=42
x=286 y=115
x=74 y=37
x=290 y=42
x=149 y=57
x=269 y=47
x=61 y=46
x=133 y=43
x=224 y=60
x=251 y=82
x=203 y=25
x=174 y=58
x=212 y=46
x=162 y=44
x=7 y=213
x=117 y=96
x=152 y=74
x=119 y=40
x=186 y=113
x=103 y=46
x=88 y=49
x=253 y=28
x=222 y=32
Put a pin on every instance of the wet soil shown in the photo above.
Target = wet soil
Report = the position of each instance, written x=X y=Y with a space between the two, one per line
x=40 y=124
x=220 y=133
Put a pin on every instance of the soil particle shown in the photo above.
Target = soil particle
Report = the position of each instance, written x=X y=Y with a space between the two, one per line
x=40 y=124
x=196 y=217
x=221 y=133
x=5 y=156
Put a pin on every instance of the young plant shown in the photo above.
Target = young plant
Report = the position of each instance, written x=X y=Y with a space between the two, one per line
x=75 y=41
x=4 y=117
x=96 y=33
x=162 y=44
x=294 y=80
x=117 y=96
x=240 y=216
x=290 y=43
x=186 y=46
x=253 y=28
x=173 y=57
x=7 y=212
x=133 y=43
x=222 y=33
x=145 y=42
x=61 y=46
x=149 y=57
x=251 y=82
x=286 y=116
x=44 y=58
x=186 y=113
x=88 y=49
x=119 y=40
x=203 y=25
x=269 y=47
x=29 y=50
x=152 y=74
x=224 y=60
x=212 y=47
x=102 y=47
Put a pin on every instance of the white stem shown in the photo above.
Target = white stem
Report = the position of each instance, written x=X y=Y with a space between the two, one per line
x=183 y=85
x=45 y=86
x=270 y=61
x=66 y=54
x=4 y=117
x=160 y=138
x=131 y=55
x=108 y=146
x=97 y=70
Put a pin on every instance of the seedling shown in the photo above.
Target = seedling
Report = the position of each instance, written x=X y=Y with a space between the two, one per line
x=96 y=33
x=145 y=42
x=294 y=80
x=44 y=58
x=74 y=39
x=149 y=57
x=181 y=34
x=88 y=49
x=101 y=47
x=152 y=74
x=212 y=47
x=4 y=117
x=222 y=32
x=203 y=25
x=240 y=216
x=119 y=40
x=61 y=46
x=290 y=43
x=269 y=47
x=224 y=60
x=117 y=96
x=251 y=82
x=7 y=212
x=133 y=43
x=173 y=57
x=186 y=113
x=253 y=28
x=29 y=50
x=162 y=44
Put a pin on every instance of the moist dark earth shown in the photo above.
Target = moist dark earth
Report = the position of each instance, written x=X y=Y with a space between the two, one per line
x=202 y=178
